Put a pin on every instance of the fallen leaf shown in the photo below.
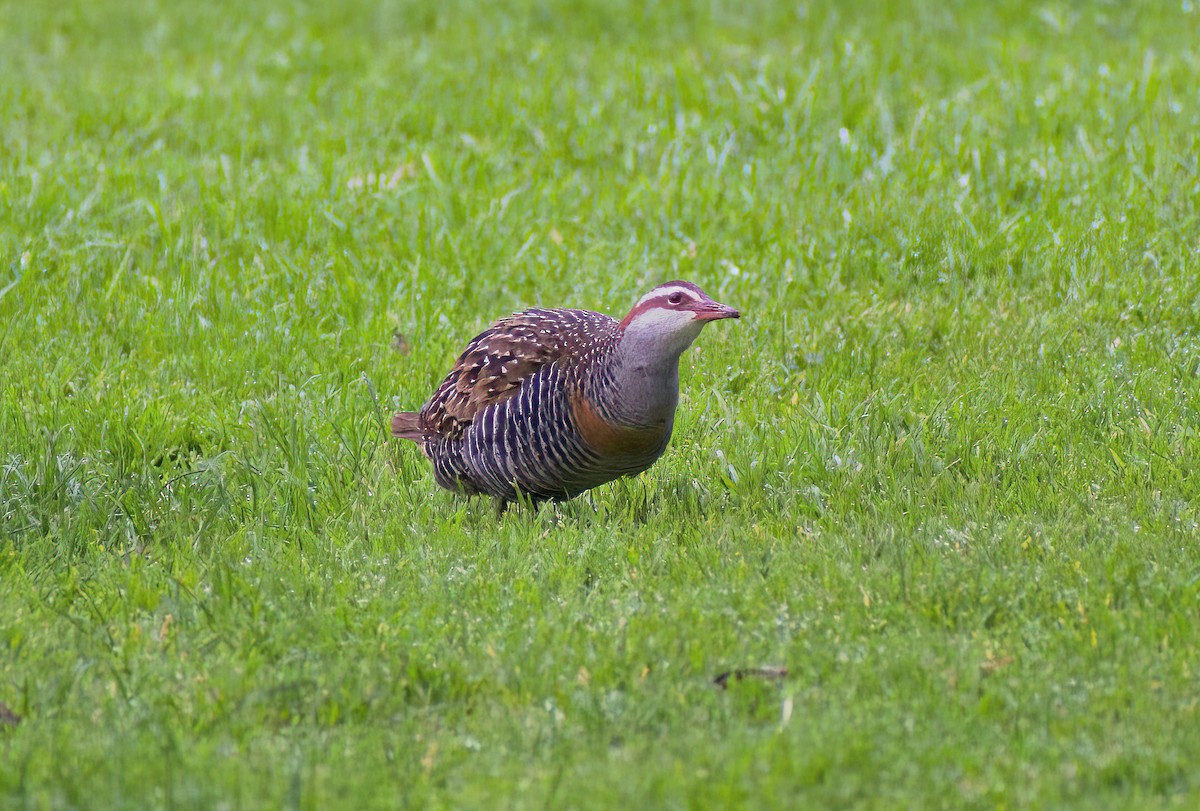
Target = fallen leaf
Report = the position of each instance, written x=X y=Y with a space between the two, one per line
x=8 y=718
x=991 y=665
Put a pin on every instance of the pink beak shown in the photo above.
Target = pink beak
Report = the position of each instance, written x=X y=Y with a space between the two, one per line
x=715 y=311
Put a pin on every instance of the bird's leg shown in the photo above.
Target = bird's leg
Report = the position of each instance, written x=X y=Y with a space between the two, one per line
x=501 y=506
x=526 y=500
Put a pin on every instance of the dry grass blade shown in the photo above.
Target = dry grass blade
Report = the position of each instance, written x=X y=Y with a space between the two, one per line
x=767 y=673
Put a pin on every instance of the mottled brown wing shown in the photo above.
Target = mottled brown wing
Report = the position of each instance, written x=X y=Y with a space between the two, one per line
x=498 y=360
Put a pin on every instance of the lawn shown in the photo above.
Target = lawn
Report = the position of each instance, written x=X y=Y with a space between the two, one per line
x=941 y=470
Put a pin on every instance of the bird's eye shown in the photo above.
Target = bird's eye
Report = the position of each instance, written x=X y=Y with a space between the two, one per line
x=675 y=298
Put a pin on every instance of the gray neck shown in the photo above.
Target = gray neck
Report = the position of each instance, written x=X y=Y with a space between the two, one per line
x=644 y=381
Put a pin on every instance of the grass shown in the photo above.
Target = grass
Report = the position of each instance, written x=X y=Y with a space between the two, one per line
x=941 y=470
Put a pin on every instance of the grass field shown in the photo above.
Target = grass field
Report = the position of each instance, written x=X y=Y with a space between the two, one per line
x=941 y=470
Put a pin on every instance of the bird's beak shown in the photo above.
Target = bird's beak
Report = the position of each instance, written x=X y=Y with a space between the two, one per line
x=715 y=311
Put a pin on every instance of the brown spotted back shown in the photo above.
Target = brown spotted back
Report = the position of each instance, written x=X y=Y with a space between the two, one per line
x=494 y=365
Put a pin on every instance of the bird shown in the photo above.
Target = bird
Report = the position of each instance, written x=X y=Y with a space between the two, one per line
x=546 y=404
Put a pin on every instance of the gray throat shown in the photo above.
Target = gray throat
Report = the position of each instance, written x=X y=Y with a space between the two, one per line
x=643 y=384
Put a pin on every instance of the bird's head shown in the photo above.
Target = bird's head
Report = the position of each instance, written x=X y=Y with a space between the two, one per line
x=672 y=315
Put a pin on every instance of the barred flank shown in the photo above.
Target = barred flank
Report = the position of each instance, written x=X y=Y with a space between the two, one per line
x=502 y=422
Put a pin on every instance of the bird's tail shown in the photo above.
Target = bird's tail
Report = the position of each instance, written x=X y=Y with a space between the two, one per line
x=406 y=425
